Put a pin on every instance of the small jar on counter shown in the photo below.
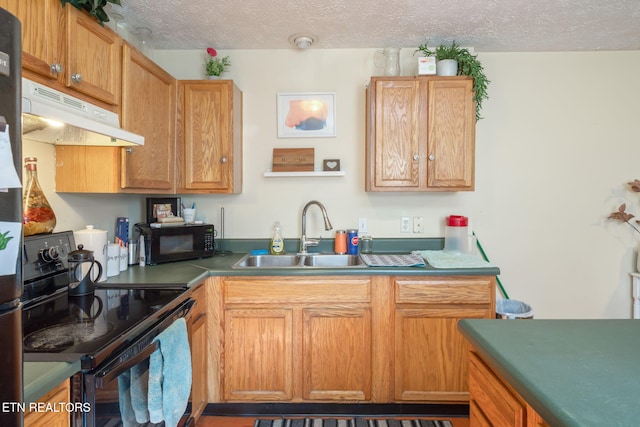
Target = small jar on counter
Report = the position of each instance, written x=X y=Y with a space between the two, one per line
x=340 y=244
x=366 y=244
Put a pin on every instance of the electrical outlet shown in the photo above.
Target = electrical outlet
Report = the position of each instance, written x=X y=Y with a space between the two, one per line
x=362 y=226
x=405 y=224
x=418 y=224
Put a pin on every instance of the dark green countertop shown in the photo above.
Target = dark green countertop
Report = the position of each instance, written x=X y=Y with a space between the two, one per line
x=194 y=271
x=572 y=372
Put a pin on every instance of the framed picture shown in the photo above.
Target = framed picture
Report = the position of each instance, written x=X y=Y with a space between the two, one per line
x=162 y=207
x=306 y=115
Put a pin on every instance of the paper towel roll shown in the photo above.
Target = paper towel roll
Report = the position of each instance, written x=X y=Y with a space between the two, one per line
x=94 y=240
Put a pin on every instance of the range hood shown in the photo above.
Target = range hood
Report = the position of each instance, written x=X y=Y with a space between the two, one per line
x=53 y=117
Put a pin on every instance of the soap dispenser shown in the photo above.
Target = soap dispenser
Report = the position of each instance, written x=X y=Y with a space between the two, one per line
x=277 y=242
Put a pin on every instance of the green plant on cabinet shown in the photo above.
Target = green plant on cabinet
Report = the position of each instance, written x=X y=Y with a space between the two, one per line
x=468 y=65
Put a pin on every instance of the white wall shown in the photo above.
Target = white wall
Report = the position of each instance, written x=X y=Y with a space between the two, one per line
x=554 y=152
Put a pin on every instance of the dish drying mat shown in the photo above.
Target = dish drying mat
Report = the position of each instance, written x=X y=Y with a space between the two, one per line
x=441 y=259
x=411 y=260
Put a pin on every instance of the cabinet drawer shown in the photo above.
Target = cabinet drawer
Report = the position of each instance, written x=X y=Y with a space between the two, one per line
x=290 y=289
x=444 y=290
x=492 y=398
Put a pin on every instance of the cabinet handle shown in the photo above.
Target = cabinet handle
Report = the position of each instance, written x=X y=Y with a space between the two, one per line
x=416 y=157
x=56 y=68
x=129 y=150
x=76 y=78
x=223 y=160
x=432 y=157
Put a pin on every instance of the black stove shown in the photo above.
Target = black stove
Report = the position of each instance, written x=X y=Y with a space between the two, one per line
x=60 y=327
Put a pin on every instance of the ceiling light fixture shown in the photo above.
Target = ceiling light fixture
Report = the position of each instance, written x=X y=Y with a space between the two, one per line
x=303 y=41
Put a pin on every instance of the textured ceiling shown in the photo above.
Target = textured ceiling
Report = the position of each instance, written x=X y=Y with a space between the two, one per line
x=485 y=25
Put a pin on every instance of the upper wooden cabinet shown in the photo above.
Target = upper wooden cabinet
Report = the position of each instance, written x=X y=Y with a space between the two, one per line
x=209 y=137
x=42 y=30
x=93 y=57
x=149 y=109
x=66 y=47
x=420 y=134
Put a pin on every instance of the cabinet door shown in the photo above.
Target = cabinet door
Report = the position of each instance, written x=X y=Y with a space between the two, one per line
x=393 y=150
x=148 y=108
x=431 y=355
x=93 y=63
x=198 y=338
x=81 y=169
x=42 y=26
x=336 y=355
x=210 y=154
x=420 y=134
x=258 y=354
x=451 y=141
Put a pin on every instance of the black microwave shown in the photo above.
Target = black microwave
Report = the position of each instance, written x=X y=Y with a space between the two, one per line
x=177 y=243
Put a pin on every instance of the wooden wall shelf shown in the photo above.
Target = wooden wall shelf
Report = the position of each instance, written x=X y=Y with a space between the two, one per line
x=270 y=174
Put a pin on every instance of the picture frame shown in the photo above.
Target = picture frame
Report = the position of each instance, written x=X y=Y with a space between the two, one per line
x=162 y=203
x=307 y=115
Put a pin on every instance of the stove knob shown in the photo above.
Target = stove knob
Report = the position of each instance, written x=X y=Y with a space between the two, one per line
x=63 y=251
x=49 y=255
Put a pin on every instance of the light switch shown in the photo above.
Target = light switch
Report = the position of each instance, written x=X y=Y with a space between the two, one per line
x=418 y=224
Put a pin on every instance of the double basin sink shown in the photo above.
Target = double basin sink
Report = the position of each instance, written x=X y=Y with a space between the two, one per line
x=300 y=261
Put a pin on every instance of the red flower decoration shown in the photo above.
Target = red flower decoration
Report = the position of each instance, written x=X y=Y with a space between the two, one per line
x=212 y=52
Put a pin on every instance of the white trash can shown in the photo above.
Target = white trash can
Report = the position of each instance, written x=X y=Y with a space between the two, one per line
x=513 y=309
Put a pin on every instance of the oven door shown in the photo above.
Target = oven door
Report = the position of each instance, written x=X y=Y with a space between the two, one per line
x=98 y=389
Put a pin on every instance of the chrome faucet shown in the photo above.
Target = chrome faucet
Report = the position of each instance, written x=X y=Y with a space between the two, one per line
x=304 y=242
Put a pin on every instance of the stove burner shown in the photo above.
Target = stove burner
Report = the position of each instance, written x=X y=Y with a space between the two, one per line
x=60 y=337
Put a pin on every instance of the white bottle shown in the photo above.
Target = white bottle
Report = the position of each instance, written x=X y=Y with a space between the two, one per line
x=277 y=242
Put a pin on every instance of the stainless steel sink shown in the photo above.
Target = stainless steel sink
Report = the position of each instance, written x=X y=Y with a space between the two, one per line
x=333 y=261
x=268 y=261
x=299 y=261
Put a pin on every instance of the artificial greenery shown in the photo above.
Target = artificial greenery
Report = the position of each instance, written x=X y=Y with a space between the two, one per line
x=468 y=65
x=94 y=7
x=215 y=66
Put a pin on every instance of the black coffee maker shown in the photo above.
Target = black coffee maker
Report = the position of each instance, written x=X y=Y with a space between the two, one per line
x=81 y=272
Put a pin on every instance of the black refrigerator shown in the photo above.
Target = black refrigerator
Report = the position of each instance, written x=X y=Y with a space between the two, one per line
x=10 y=220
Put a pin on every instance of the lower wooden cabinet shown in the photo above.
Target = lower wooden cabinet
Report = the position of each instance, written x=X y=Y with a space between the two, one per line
x=493 y=403
x=198 y=341
x=430 y=357
x=336 y=353
x=258 y=354
x=377 y=339
x=297 y=339
x=57 y=396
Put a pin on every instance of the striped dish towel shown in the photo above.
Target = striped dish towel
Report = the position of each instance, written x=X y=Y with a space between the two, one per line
x=410 y=260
